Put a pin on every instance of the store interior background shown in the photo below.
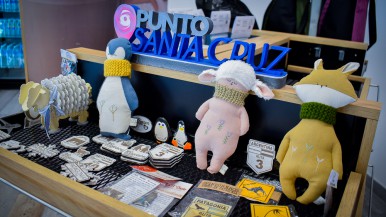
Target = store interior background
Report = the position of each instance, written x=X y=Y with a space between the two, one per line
x=376 y=56
x=51 y=25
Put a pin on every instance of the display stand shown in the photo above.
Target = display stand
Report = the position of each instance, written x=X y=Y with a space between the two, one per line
x=265 y=117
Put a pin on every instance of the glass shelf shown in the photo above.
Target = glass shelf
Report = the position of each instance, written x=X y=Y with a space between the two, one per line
x=12 y=74
x=3 y=11
x=15 y=37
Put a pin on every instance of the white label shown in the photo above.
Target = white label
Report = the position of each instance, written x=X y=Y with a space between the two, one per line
x=11 y=144
x=102 y=139
x=165 y=152
x=148 y=170
x=242 y=27
x=260 y=156
x=98 y=162
x=144 y=125
x=174 y=189
x=320 y=201
x=75 y=142
x=139 y=152
x=221 y=21
x=68 y=55
x=223 y=169
x=118 y=147
x=333 y=179
x=4 y=135
x=133 y=122
x=134 y=186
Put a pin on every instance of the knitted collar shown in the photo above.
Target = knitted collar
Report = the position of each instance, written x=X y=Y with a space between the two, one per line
x=114 y=67
x=318 y=111
x=230 y=95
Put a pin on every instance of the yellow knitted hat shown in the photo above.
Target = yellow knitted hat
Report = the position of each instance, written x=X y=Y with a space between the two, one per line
x=116 y=67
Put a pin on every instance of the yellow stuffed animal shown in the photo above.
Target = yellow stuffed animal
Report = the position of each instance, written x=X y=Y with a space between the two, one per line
x=311 y=149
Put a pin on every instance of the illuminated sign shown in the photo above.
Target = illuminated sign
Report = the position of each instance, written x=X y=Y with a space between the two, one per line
x=179 y=36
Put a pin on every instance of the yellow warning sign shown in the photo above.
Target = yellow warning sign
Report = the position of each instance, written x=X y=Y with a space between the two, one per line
x=207 y=208
x=258 y=210
x=256 y=191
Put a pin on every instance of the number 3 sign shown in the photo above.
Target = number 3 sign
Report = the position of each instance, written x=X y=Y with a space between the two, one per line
x=260 y=156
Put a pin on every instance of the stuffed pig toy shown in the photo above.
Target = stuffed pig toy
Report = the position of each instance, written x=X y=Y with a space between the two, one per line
x=223 y=117
x=311 y=149
x=117 y=98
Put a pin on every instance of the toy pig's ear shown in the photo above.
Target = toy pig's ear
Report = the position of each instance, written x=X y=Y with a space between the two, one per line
x=262 y=90
x=349 y=68
x=208 y=76
x=318 y=64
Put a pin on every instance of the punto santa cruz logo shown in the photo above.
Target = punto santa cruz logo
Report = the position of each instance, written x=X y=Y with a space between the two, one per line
x=179 y=36
x=125 y=21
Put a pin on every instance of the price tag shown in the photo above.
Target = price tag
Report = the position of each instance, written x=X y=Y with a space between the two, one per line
x=333 y=179
x=221 y=21
x=242 y=27
x=260 y=156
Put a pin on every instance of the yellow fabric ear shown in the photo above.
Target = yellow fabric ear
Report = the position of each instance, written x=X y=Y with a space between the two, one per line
x=318 y=64
x=349 y=68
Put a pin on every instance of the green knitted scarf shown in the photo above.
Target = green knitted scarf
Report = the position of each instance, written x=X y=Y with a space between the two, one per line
x=230 y=95
x=318 y=111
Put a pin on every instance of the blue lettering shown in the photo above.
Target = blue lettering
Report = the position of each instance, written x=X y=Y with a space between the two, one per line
x=166 y=43
x=154 y=23
x=194 y=47
x=140 y=35
x=142 y=17
x=212 y=50
x=284 y=51
x=153 y=43
x=183 y=44
x=236 y=48
x=263 y=59
x=175 y=43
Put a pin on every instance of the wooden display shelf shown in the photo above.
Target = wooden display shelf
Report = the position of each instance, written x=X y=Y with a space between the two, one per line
x=313 y=39
x=79 y=200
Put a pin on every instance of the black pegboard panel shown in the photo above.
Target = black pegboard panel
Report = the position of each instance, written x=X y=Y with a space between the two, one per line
x=186 y=169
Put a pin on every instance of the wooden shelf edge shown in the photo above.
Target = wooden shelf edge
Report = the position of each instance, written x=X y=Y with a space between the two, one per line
x=360 y=108
x=314 y=39
x=350 y=196
x=61 y=192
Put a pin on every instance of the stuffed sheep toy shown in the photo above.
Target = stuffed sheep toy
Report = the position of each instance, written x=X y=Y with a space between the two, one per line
x=223 y=117
x=311 y=149
x=117 y=98
x=57 y=98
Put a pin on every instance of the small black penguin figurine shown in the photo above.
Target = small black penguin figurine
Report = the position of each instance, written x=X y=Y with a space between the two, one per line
x=162 y=132
x=180 y=138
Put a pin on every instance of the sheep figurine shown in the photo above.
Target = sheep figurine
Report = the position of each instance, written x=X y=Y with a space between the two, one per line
x=57 y=98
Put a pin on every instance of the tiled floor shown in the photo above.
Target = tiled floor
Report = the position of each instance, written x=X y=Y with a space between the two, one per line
x=9 y=102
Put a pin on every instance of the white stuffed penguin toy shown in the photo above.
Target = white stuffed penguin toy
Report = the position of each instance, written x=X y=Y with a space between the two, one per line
x=117 y=98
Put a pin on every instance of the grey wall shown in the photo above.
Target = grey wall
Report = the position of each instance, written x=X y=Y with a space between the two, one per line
x=49 y=25
x=376 y=71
